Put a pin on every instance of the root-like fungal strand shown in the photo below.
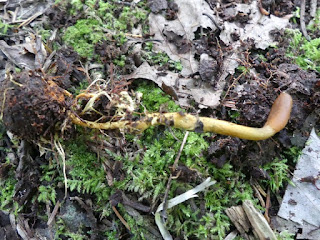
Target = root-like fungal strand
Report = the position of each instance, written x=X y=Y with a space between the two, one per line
x=34 y=106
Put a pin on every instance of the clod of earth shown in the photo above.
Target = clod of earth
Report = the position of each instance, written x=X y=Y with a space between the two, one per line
x=33 y=106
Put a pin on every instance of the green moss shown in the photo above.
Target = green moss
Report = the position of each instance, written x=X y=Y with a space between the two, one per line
x=51 y=175
x=62 y=232
x=305 y=53
x=153 y=98
x=315 y=24
x=83 y=36
x=234 y=115
x=45 y=34
x=278 y=171
x=124 y=20
x=99 y=16
x=160 y=58
x=4 y=27
x=285 y=235
x=7 y=186
x=121 y=62
x=46 y=194
x=86 y=173
x=292 y=154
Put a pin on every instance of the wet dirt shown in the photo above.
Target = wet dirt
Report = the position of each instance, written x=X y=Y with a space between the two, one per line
x=33 y=105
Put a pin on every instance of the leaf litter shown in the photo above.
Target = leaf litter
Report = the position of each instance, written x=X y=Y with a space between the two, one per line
x=177 y=36
x=300 y=205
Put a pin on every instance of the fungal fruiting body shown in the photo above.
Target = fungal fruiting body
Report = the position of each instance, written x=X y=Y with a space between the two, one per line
x=277 y=120
x=34 y=106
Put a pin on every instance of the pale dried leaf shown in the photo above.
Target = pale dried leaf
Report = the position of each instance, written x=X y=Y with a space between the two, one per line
x=189 y=18
x=157 y=5
x=184 y=87
x=16 y=54
x=258 y=28
x=177 y=200
x=301 y=202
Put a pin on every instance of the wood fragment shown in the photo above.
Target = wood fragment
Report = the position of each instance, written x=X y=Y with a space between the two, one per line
x=121 y=218
x=258 y=195
x=268 y=205
x=54 y=213
x=302 y=19
x=175 y=164
x=313 y=8
x=232 y=235
x=250 y=223
x=238 y=217
x=258 y=222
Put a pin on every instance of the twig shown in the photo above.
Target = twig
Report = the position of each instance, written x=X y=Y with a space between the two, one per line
x=180 y=151
x=313 y=8
x=53 y=214
x=302 y=20
x=268 y=205
x=174 y=166
x=258 y=195
x=121 y=218
x=30 y=19
x=4 y=101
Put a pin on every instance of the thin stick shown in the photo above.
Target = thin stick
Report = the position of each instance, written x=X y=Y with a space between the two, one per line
x=54 y=213
x=174 y=166
x=30 y=19
x=313 y=11
x=213 y=21
x=268 y=205
x=302 y=20
x=4 y=101
x=180 y=151
x=121 y=218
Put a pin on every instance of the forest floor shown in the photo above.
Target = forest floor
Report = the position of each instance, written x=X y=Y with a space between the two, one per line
x=79 y=80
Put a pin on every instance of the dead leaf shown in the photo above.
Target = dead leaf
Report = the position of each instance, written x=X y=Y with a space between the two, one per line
x=258 y=28
x=157 y=5
x=189 y=18
x=301 y=202
x=16 y=54
x=184 y=88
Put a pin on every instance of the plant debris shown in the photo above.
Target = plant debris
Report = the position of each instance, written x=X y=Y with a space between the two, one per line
x=301 y=200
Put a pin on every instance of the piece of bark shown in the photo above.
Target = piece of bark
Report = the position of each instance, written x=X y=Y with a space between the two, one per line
x=250 y=222
x=238 y=216
x=258 y=222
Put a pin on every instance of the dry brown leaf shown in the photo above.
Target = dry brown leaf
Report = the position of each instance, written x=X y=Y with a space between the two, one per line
x=184 y=87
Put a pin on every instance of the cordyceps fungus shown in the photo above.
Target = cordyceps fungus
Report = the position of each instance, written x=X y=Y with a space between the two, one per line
x=34 y=106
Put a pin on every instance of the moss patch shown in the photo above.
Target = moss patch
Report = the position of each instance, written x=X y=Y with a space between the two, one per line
x=83 y=36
